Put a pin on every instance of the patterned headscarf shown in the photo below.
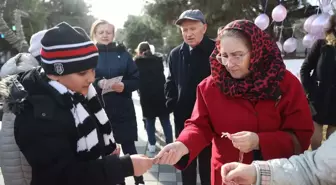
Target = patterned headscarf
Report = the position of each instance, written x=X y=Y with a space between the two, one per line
x=266 y=66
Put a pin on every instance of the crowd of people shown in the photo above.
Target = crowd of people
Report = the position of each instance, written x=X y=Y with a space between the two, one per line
x=240 y=117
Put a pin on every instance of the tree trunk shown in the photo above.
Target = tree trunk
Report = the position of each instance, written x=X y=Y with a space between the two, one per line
x=11 y=37
x=18 y=41
x=18 y=14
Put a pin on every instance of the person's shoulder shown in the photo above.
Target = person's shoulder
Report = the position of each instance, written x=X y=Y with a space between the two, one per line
x=210 y=41
x=176 y=50
x=318 y=44
x=41 y=113
x=120 y=47
x=290 y=83
x=206 y=84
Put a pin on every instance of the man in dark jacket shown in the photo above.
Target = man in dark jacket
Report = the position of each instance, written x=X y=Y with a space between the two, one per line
x=188 y=66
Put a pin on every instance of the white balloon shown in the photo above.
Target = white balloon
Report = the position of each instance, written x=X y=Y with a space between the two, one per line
x=308 y=23
x=290 y=45
x=262 y=21
x=318 y=25
x=327 y=8
x=279 y=13
x=308 y=40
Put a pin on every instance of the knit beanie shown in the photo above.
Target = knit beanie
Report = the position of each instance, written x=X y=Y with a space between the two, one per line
x=35 y=43
x=66 y=50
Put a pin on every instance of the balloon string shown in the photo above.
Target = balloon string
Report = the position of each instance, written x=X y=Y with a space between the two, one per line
x=320 y=3
x=266 y=6
x=282 y=27
x=293 y=31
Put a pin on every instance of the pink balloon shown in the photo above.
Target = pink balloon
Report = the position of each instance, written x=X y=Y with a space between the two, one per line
x=279 y=45
x=308 y=40
x=262 y=21
x=279 y=13
x=290 y=45
x=308 y=23
x=320 y=23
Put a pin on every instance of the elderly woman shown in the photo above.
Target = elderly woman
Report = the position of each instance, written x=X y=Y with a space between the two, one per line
x=251 y=98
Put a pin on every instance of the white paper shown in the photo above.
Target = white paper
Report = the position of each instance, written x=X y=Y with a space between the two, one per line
x=107 y=84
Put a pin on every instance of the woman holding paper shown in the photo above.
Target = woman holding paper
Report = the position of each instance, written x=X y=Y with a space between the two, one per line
x=117 y=77
x=251 y=99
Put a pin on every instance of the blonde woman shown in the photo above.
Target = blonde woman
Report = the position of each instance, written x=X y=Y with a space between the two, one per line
x=115 y=61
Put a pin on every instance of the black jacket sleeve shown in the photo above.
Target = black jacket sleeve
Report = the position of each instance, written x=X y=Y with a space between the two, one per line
x=131 y=78
x=48 y=150
x=171 y=91
x=308 y=66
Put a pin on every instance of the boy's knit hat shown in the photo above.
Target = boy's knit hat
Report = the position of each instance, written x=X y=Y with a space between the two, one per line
x=67 y=49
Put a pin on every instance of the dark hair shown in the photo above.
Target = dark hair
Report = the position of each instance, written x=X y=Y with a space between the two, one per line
x=144 y=48
x=331 y=26
x=240 y=35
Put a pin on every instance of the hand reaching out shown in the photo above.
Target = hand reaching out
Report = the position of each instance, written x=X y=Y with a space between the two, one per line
x=171 y=153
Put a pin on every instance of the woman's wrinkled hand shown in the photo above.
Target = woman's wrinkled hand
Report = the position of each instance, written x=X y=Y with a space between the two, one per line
x=171 y=153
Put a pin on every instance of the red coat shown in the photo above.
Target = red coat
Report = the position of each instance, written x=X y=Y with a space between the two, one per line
x=215 y=113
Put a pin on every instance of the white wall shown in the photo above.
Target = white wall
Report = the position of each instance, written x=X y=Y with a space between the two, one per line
x=294 y=66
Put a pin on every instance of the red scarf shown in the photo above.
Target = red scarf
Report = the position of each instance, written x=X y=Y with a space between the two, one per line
x=266 y=66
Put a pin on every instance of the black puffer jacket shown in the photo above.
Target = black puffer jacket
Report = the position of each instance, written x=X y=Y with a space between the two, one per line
x=152 y=80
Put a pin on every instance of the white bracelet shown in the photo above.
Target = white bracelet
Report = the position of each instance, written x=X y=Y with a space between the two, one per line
x=256 y=166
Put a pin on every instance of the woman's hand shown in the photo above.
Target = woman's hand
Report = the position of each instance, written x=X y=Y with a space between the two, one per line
x=118 y=87
x=245 y=141
x=239 y=173
x=171 y=153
